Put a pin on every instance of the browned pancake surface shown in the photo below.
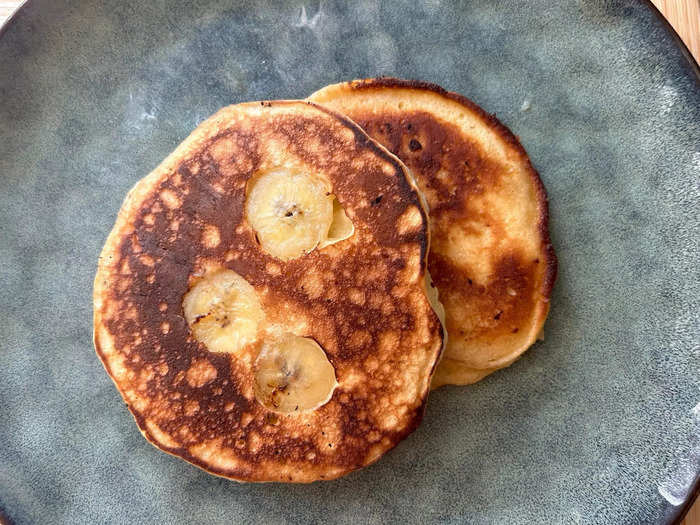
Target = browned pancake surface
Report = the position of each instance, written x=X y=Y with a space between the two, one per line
x=490 y=255
x=362 y=300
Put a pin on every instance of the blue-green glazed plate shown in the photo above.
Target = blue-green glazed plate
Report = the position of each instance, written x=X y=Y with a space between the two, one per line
x=600 y=423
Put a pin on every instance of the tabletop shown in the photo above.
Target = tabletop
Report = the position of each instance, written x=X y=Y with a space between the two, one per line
x=684 y=16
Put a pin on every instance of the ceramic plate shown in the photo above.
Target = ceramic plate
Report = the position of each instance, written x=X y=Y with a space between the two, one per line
x=600 y=423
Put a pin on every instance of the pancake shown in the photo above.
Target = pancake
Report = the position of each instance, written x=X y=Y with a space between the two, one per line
x=491 y=258
x=267 y=356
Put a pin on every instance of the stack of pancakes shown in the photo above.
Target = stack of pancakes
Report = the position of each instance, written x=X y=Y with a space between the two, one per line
x=278 y=297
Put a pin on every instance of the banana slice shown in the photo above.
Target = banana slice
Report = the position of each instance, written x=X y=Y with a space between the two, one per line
x=223 y=311
x=293 y=374
x=341 y=228
x=291 y=213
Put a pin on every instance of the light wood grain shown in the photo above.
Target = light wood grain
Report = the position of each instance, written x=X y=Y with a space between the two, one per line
x=684 y=16
x=693 y=516
x=7 y=8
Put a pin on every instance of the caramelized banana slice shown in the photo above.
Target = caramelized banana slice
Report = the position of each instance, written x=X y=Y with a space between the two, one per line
x=223 y=311
x=341 y=228
x=293 y=374
x=290 y=213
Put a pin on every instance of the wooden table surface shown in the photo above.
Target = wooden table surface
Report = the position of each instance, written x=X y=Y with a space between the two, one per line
x=684 y=16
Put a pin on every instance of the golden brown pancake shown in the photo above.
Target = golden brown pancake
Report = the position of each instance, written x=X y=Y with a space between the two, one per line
x=491 y=258
x=359 y=303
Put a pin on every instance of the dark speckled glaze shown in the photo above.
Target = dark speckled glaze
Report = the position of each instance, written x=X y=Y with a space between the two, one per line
x=598 y=424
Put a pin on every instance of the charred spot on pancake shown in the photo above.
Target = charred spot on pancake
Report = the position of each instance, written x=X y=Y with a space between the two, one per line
x=510 y=273
x=450 y=167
